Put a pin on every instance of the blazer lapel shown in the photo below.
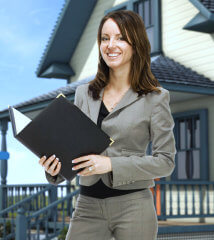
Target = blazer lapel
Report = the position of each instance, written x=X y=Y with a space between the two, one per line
x=129 y=97
x=94 y=106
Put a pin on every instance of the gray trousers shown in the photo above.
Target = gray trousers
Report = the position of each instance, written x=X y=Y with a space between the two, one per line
x=127 y=217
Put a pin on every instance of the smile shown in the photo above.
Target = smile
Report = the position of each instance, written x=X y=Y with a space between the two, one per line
x=113 y=55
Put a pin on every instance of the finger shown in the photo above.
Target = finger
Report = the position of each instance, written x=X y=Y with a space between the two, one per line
x=53 y=165
x=81 y=159
x=42 y=160
x=87 y=171
x=57 y=170
x=82 y=165
x=49 y=161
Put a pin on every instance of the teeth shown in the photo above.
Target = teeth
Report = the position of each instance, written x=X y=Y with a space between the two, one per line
x=113 y=54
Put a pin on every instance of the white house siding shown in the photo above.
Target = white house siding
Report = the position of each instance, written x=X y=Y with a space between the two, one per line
x=85 y=58
x=190 y=48
x=206 y=102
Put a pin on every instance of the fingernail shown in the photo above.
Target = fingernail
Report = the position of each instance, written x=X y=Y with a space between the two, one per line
x=57 y=159
x=44 y=157
x=53 y=156
x=73 y=168
x=73 y=161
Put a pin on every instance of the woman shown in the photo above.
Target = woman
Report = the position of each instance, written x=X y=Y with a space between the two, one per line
x=115 y=197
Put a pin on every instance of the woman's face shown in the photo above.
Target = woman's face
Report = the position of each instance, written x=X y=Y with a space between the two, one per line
x=115 y=51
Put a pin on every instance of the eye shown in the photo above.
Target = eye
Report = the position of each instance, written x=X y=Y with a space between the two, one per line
x=104 y=38
x=122 y=38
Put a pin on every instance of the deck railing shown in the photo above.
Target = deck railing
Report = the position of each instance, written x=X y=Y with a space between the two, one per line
x=13 y=218
x=184 y=199
x=45 y=212
x=17 y=193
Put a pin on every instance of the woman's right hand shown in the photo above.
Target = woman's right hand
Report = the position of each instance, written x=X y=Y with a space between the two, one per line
x=51 y=165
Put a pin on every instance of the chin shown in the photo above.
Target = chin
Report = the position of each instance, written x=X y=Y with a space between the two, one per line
x=113 y=66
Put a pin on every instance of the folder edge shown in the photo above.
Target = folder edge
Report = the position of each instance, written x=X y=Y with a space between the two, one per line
x=60 y=94
x=112 y=141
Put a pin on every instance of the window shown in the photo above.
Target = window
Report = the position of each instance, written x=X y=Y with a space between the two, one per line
x=150 y=11
x=191 y=135
x=144 y=9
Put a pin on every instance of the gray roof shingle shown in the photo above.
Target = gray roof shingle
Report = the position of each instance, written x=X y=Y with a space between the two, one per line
x=167 y=70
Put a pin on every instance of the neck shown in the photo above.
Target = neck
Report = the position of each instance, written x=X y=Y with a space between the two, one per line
x=118 y=80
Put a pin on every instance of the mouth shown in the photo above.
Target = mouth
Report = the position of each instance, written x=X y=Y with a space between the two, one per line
x=113 y=55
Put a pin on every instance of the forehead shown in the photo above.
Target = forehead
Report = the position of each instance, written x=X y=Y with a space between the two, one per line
x=110 y=27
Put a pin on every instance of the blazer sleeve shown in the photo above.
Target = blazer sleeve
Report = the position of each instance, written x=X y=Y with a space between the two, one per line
x=161 y=162
x=55 y=180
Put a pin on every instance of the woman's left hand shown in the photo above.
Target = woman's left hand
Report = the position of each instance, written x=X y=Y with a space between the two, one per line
x=93 y=164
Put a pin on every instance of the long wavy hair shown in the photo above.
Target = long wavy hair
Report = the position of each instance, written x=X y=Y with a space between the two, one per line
x=141 y=78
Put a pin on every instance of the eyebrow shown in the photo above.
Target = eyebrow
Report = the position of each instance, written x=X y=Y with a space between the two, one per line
x=107 y=34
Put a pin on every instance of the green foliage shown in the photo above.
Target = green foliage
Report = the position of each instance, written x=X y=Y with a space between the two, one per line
x=63 y=233
x=7 y=228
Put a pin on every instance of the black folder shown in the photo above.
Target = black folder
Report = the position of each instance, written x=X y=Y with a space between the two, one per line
x=61 y=129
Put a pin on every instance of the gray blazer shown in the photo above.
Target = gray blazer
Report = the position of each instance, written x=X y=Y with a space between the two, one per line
x=132 y=124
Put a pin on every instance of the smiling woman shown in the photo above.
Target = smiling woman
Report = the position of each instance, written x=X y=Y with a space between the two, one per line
x=127 y=102
x=115 y=51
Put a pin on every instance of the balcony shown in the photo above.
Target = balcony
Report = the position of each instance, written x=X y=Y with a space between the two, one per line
x=183 y=208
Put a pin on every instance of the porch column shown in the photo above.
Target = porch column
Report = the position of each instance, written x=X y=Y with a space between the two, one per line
x=3 y=165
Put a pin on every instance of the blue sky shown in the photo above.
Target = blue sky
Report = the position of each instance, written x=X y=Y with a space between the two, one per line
x=26 y=26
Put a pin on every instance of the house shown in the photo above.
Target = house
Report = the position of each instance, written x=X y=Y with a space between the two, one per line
x=181 y=34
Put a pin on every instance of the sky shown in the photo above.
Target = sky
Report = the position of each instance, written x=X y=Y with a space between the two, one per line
x=25 y=28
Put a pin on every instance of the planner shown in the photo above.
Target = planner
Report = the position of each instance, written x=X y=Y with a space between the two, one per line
x=61 y=129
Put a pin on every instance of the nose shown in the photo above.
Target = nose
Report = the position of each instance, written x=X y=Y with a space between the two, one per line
x=111 y=43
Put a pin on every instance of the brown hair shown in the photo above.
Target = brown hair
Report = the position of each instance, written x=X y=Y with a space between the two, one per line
x=141 y=78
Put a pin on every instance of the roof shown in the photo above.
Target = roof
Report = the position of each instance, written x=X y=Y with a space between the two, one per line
x=171 y=75
x=65 y=36
x=209 y=4
x=203 y=21
x=166 y=70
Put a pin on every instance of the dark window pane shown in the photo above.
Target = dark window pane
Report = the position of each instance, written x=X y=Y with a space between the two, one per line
x=135 y=7
x=181 y=162
x=196 y=166
x=189 y=164
x=150 y=34
x=146 y=14
x=197 y=134
x=189 y=133
x=140 y=9
x=152 y=12
x=182 y=131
